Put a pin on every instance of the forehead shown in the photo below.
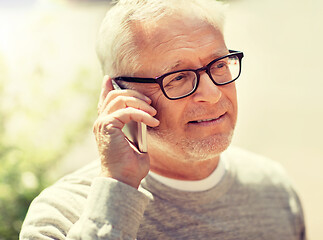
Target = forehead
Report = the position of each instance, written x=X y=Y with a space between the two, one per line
x=174 y=42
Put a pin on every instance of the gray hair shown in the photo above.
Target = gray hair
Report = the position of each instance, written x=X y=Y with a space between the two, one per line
x=116 y=48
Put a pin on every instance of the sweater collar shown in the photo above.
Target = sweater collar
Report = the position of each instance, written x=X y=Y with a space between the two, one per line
x=164 y=191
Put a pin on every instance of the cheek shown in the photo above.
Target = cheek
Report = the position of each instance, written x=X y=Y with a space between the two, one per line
x=150 y=90
x=168 y=113
x=159 y=101
x=231 y=93
x=162 y=107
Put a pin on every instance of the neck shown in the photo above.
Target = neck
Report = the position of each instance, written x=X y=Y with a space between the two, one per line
x=181 y=169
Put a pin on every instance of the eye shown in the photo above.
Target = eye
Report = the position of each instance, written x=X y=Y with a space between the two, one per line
x=221 y=65
x=179 y=77
x=219 y=68
x=176 y=78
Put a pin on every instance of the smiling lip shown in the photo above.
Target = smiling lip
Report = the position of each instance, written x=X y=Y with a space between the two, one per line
x=208 y=120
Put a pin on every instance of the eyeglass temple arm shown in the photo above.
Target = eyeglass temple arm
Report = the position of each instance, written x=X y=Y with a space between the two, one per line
x=137 y=80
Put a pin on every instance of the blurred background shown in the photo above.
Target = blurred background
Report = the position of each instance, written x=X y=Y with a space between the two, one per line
x=50 y=82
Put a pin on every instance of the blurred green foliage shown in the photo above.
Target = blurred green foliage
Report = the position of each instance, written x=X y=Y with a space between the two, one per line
x=36 y=130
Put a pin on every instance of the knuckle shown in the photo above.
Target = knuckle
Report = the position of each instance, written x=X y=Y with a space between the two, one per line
x=94 y=129
x=130 y=110
x=112 y=94
x=109 y=128
x=119 y=99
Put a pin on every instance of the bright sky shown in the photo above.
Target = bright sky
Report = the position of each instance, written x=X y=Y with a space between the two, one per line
x=15 y=3
x=16 y=18
x=24 y=3
x=50 y=36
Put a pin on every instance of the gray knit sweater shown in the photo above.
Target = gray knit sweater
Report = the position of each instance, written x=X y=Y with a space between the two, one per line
x=254 y=200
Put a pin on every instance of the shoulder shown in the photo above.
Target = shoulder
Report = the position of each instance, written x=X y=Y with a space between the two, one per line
x=83 y=176
x=61 y=204
x=74 y=185
x=252 y=168
x=265 y=185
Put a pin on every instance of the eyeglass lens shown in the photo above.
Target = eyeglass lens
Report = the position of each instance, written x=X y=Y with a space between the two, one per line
x=184 y=82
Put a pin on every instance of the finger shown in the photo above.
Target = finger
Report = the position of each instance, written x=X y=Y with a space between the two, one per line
x=126 y=92
x=121 y=102
x=132 y=114
x=123 y=116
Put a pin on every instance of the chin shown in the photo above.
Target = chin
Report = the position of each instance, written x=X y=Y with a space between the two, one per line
x=199 y=150
x=190 y=150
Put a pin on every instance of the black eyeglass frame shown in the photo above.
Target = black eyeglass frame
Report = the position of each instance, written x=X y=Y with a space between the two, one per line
x=206 y=68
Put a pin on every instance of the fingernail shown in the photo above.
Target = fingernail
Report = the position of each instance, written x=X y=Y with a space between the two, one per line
x=157 y=121
x=147 y=99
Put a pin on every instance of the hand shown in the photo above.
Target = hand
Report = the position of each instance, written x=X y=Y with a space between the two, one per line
x=120 y=159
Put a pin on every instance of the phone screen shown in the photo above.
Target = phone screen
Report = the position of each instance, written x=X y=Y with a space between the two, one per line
x=136 y=132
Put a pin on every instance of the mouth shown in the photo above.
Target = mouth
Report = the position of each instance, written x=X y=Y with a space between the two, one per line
x=208 y=120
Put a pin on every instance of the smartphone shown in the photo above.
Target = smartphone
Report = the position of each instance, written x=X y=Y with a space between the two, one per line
x=136 y=132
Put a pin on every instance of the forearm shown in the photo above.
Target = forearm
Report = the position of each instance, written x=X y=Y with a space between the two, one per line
x=115 y=213
x=80 y=210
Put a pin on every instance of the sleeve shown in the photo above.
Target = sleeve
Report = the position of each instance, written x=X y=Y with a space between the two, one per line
x=105 y=209
x=118 y=218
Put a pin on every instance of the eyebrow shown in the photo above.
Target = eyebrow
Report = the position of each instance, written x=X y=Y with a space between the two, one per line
x=173 y=67
x=214 y=55
x=219 y=53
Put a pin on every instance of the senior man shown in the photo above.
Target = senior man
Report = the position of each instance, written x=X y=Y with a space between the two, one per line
x=177 y=77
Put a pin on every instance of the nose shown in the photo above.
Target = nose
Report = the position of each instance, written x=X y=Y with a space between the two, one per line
x=207 y=91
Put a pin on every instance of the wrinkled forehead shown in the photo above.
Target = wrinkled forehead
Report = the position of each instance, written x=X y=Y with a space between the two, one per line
x=167 y=29
x=166 y=41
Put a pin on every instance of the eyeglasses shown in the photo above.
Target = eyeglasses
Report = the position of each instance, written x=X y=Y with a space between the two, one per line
x=182 y=83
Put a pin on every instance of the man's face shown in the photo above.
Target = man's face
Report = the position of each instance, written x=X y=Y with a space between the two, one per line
x=201 y=125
